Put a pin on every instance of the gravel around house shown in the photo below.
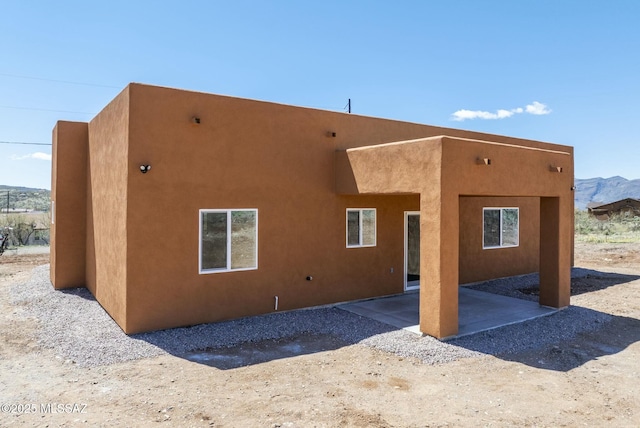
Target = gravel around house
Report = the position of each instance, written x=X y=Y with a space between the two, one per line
x=65 y=363
x=74 y=325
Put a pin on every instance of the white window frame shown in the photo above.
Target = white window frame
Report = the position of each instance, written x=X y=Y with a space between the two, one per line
x=360 y=218
x=228 y=267
x=502 y=245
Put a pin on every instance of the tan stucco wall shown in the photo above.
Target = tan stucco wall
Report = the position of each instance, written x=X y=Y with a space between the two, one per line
x=68 y=194
x=282 y=164
x=107 y=175
x=514 y=170
x=478 y=264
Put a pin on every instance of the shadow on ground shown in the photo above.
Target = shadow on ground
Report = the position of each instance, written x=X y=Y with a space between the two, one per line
x=612 y=337
x=562 y=341
x=528 y=287
x=250 y=353
x=559 y=342
x=259 y=339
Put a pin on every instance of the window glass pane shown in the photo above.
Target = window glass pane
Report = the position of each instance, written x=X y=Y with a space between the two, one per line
x=413 y=247
x=368 y=227
x=353 y=227
x=243 y=239
x=510 y=227
x=491 y=228
x=214 y=240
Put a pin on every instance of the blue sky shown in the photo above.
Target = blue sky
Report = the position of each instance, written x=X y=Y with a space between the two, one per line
x=560 y=71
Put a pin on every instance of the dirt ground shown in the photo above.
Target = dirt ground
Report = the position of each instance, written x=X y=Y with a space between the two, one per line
x=350 y=386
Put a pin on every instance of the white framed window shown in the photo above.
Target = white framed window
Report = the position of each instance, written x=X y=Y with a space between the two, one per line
x=501 y=227
x=228 y=240
x=361 y=227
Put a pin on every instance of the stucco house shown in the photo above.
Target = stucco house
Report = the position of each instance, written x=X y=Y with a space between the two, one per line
x=176 y=208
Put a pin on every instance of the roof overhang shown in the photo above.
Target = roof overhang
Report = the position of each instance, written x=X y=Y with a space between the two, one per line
x=459 y=165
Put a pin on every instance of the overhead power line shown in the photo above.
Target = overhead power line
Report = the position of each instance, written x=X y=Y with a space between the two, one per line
x=69 y=82
x=45 y=109
x=25 y=143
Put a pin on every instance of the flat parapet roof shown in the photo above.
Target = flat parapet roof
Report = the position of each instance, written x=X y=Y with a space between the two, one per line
x=471 y=140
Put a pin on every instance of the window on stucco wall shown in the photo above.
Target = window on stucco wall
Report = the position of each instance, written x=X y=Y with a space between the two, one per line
x=501 y=227
x=361 y=227
x=228 y=240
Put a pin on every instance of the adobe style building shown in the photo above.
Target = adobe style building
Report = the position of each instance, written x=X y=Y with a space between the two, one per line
x=176 y=208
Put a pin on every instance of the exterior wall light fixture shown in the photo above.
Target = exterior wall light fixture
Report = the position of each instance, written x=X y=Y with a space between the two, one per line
x=196 y=120
x=555 y=168
x=331 y=134
x=483 y=161
x=145 y=168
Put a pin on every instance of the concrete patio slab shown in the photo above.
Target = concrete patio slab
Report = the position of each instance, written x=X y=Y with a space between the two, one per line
x=477 y=311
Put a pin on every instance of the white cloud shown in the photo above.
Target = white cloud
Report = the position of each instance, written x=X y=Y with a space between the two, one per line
x=36 y=155
x=533 y=108
x=461 y=115
x=41 y=156
x=537 y=108
x=504 y=113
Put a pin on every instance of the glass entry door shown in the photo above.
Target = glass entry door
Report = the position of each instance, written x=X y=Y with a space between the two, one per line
x=411 y=250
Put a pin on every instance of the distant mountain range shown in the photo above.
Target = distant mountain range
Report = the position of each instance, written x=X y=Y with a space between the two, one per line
x=605 y=190
x=587 y=190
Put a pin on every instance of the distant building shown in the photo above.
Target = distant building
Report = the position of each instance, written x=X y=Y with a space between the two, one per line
x=603 y=211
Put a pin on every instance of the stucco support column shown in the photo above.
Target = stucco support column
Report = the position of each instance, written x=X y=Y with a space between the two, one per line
x=555 y=252
x=439 y=229
x=68 y=208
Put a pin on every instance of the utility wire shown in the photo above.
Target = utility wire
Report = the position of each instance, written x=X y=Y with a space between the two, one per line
x=22 y=142
x=69 y=82
x=59 y=81
x=45 y=109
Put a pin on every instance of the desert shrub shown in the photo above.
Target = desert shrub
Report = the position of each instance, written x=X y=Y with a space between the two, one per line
x=624 y=227
x=584 y=223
